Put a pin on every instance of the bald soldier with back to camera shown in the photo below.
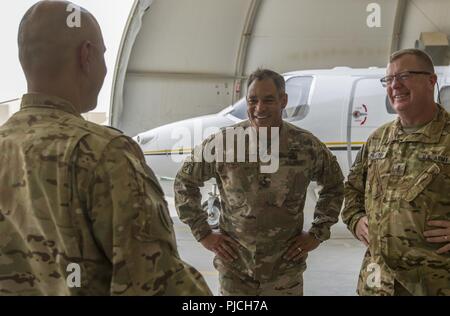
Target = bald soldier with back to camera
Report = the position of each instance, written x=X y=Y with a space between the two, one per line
x=397 y=197
x=74 y=193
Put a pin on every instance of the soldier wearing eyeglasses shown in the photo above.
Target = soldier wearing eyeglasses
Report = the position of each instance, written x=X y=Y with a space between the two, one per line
x=397 y=197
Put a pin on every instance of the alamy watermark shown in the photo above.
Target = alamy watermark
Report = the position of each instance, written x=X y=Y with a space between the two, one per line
x=374 y=18
x=234 y=144
x=73 y=279
x=374 y=277
x=74 y=18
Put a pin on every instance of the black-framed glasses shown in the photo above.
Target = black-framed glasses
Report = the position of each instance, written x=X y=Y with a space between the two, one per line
x=402 y=76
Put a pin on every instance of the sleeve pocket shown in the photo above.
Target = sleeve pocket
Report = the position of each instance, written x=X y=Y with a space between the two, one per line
x=154 y=220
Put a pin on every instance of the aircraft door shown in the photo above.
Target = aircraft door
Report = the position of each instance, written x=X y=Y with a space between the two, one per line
x=369 y=109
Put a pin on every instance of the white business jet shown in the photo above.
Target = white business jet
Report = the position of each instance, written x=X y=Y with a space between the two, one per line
x=341 y=106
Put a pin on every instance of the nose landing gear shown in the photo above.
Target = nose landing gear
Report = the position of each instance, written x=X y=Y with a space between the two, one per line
x=213 y=208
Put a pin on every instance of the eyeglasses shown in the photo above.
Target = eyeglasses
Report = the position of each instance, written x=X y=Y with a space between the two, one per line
x=402 y=76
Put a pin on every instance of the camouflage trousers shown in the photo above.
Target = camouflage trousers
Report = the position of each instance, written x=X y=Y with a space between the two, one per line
x=287 y=284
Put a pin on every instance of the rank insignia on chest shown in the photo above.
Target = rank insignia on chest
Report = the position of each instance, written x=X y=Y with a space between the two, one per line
x=398 y=169
x=188 y=168
x=264 y=181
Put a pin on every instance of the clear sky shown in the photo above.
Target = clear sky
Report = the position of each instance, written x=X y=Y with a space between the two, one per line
x=111 y=15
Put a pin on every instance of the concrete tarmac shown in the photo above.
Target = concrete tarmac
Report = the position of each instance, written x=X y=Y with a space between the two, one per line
x=333 y=267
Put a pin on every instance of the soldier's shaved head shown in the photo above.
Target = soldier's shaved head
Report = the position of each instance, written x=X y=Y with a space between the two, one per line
x=52 y=53
x=46 y=42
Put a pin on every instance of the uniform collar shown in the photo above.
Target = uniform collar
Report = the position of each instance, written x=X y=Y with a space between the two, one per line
x=430 y=133
x=284 y=137
x=283 y=134
x=47 y=101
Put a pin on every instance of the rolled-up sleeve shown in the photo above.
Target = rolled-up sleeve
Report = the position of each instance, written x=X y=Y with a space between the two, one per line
x=328 y=174
x=354 y=208
x=192 y=175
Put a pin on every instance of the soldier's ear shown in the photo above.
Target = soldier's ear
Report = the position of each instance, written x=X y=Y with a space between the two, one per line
x=284 y=100
x=433 y=79
x=85 y=57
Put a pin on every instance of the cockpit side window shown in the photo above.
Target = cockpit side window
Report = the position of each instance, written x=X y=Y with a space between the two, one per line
x=445 y=97
x=298 y=89
x=240 y=109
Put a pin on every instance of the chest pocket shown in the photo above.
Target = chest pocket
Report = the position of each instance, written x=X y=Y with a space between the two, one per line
x=153 y=221
x=431 y=191
x=239 y=181
x=293 y=178
x=422 y=181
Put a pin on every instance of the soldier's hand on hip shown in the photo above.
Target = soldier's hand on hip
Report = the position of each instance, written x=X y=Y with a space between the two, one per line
x=441 y=235
x=222 y=245
x=301 y=245
x=362 y=230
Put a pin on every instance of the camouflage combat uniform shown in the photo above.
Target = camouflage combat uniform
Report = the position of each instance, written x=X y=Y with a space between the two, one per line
x=401 y=181
x=75 y=192
x=263 y=211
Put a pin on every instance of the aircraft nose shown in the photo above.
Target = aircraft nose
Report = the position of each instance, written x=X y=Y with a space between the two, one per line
x=145 y=139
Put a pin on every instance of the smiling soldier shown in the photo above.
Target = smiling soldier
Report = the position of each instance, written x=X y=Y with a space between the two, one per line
x=261 y=247
x=397 y=195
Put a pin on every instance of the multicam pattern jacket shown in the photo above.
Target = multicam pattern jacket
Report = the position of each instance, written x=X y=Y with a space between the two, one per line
x=263 y=212
x=401 y=181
